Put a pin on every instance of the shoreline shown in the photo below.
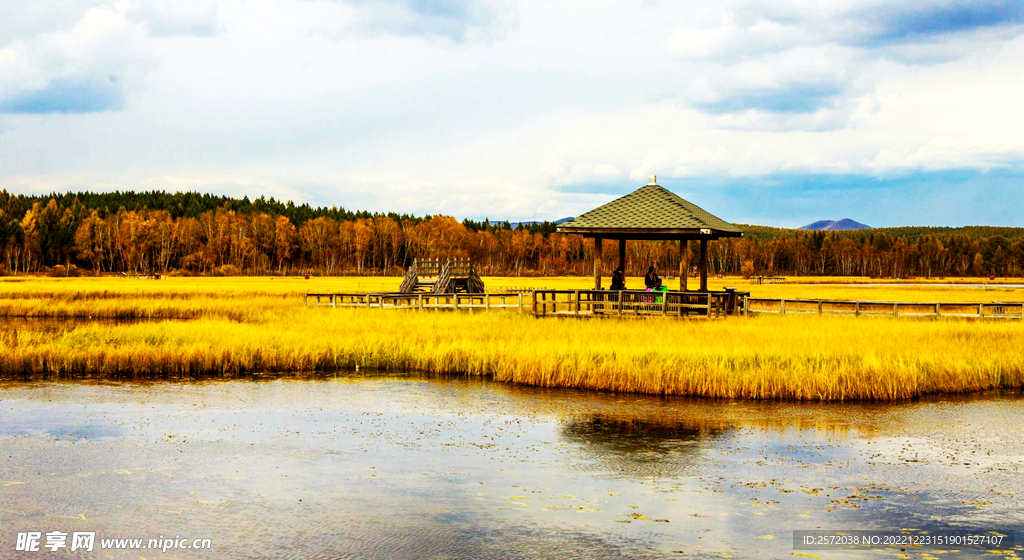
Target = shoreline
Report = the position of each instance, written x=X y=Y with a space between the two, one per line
x=21 y=381
x=805 y=358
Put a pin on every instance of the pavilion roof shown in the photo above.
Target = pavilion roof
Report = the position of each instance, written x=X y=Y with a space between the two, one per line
x=651 y=212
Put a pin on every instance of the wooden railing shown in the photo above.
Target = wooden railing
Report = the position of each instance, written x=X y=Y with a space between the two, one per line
x=608 y=303
x=444 y=280
x=474 y=283
x=411 y=277
x=428 y=268
x=552 y=302
x=991 y=310
x=419 y=301
x=459 y=267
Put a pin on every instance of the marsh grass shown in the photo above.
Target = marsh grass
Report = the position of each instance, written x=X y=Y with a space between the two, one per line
x=255 y=326
x=802 y=358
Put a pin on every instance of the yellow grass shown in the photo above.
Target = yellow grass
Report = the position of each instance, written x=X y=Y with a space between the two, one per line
x=78 y=289
x=253 y=325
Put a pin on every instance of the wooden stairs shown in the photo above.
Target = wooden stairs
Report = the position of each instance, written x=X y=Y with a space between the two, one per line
x=455 y=276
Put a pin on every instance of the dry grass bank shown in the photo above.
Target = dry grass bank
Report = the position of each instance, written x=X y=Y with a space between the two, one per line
x=805 y=358
x=254 y=325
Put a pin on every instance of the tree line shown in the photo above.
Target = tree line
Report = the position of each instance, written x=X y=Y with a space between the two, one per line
x=192 y=233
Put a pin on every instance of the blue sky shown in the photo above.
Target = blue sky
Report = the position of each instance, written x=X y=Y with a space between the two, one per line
x=778 y=113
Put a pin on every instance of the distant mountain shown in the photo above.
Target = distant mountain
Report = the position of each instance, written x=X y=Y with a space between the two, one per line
x=832 y=225
x=514 y=225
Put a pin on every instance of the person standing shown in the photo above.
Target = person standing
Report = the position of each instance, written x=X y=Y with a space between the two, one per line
x=618 y=279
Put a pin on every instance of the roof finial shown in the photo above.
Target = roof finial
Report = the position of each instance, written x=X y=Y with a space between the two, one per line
x=652 y=180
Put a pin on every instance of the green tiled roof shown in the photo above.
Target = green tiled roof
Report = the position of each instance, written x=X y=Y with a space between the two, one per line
x=650 y=207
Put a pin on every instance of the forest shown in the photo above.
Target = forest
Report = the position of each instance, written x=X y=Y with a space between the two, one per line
x=200 y=234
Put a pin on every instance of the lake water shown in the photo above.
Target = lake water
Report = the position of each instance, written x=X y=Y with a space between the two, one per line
x=416 y=467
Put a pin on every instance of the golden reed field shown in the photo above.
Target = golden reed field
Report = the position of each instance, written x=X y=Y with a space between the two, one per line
x=184 y=327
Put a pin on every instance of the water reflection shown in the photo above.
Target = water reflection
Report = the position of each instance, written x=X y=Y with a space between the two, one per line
x=646 y=446
x=61 y=422
x=411 y=467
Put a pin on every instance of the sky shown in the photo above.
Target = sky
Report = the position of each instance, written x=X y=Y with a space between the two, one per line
x=777 y=113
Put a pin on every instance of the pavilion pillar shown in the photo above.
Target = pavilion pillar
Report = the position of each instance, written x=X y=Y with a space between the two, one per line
x=703 y=265
x=684 y=261
x=622 y=255
x=597 y=263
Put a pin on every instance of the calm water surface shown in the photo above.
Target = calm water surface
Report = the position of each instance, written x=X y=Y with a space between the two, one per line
x=411 y=467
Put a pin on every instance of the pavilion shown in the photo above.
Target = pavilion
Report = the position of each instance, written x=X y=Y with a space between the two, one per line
x=652 y=213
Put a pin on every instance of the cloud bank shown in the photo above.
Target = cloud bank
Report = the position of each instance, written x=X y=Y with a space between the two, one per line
x=523 y=109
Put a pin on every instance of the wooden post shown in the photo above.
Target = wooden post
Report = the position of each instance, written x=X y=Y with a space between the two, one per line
x=577 y=297
x=745 y=303
x=534 y=308
x=520 y=302
x=981 y=310
x=895 y=310
x=856 y=309
x=622 y=255
x=819 y=307
x=684 y=262
x=597 y=263
x=938 y=313
x=703 y=265
x=707 y=295
x=782 y=306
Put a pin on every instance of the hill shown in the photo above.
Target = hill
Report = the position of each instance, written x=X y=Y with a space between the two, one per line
x=846 y=224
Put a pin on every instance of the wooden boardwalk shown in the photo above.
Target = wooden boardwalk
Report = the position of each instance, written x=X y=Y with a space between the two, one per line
x=991 y=310
x=420 y=300
x=602 y=303
x=625 y=303
x=767 y=280
x=637 y=303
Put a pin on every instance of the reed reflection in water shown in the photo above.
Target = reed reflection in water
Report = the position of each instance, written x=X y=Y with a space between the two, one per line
x=412 y=467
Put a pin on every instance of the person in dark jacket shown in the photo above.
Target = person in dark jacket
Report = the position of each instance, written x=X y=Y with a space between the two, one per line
x=651 y=280
x=618 y=279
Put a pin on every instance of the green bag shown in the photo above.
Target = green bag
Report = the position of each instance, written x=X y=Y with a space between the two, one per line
x=657 y=298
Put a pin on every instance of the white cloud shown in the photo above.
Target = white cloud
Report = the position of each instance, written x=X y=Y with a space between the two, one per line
x=79 y=69
x=80 y=57
x=728 y=40
x=180 y=17
x=455 y=20
x=526 y=110
x=576 y=174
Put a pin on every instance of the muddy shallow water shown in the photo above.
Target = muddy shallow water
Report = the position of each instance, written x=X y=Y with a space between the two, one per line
x=415 y=467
